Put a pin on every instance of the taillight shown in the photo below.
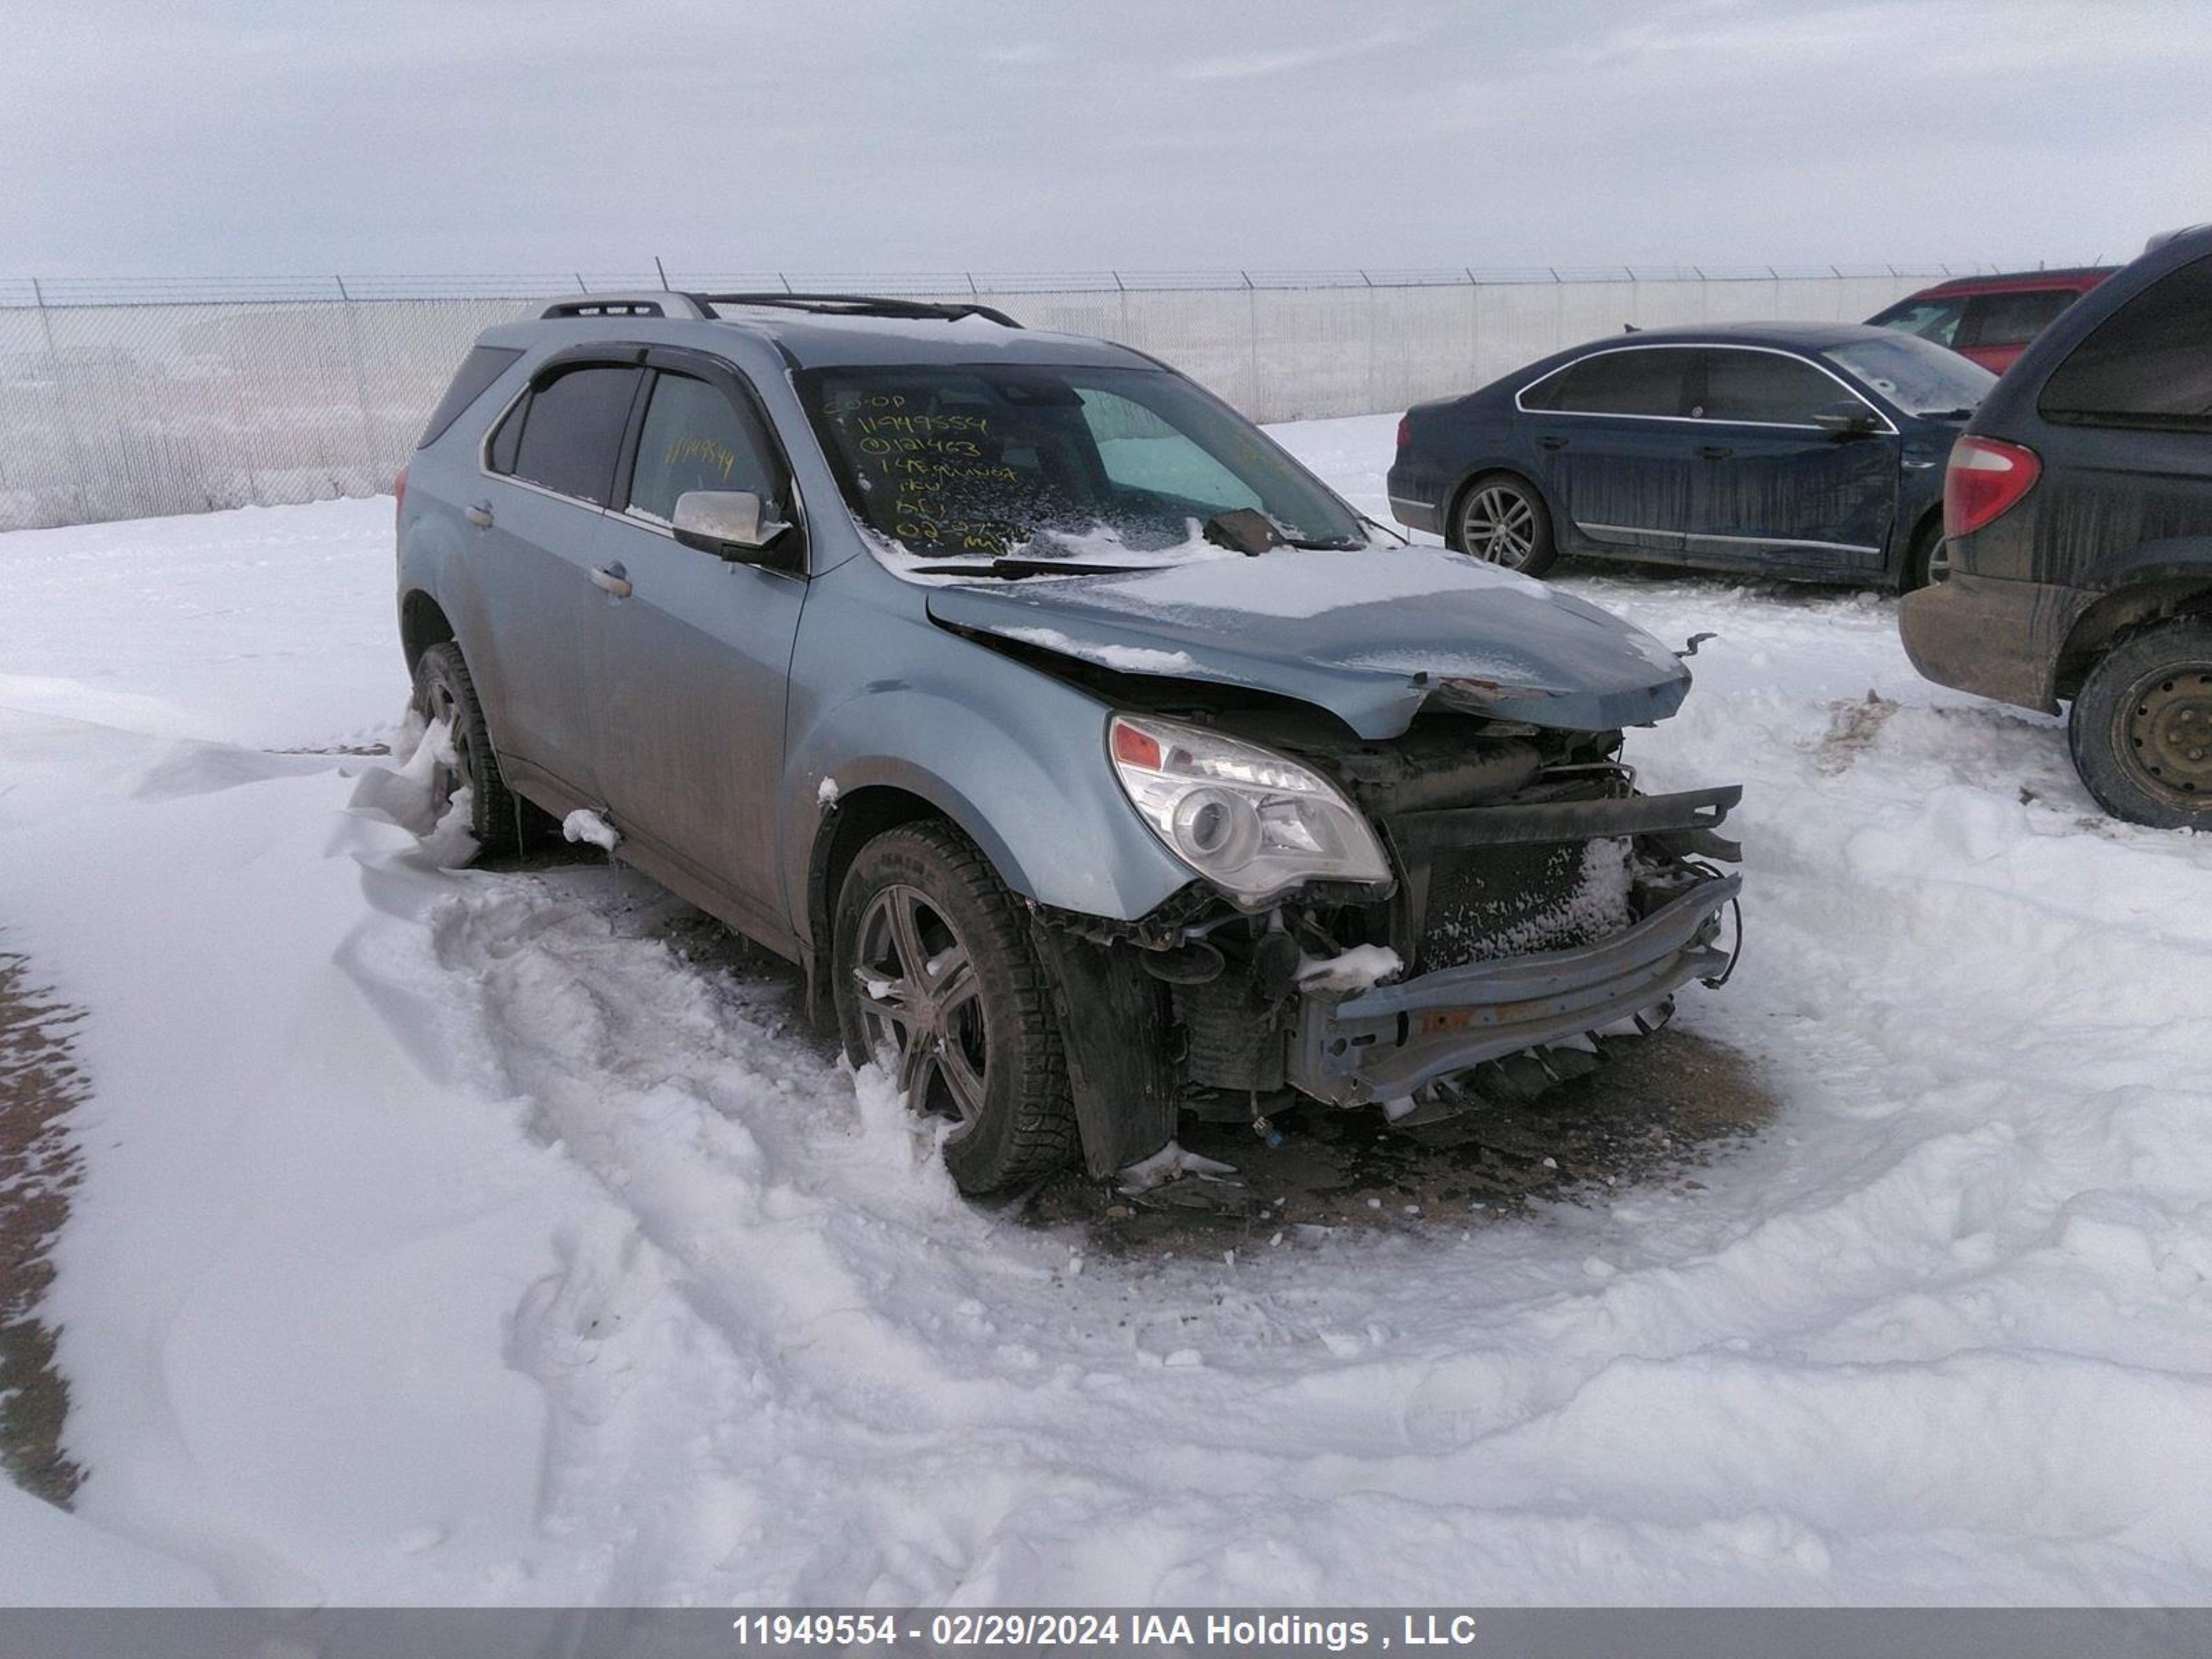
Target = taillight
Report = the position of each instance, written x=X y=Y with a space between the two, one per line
x=399 y=496
x=1404 y=430
x=1983 y=482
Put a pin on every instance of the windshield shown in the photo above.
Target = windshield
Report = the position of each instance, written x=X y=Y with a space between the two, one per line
x=1916 y=375
x=1107 y=466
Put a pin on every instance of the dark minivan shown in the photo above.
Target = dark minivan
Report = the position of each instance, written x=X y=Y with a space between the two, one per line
x=2078 y=552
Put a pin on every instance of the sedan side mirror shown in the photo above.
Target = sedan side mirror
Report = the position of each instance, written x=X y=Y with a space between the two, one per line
x=730 y=524
x=1852 y=419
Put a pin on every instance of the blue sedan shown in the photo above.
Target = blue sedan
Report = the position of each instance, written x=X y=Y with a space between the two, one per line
x=1812 y=450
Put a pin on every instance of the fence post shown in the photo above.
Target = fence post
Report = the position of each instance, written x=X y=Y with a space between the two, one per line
x=663 y=270
x=1252 y=345
x=79 y=478
x=370 y=440
x=1473 y=327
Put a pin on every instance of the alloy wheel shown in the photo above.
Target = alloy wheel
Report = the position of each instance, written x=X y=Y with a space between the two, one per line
x=444 y=707
x=1499 y=524
x=920 y=1004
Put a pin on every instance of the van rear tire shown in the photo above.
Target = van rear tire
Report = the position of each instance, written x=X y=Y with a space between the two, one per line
x=2141 y=727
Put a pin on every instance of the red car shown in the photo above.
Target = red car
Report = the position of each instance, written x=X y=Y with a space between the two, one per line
x=1990 y=318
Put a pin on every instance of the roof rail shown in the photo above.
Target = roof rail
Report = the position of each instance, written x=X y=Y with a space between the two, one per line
x=863 y=305
x=649 y=303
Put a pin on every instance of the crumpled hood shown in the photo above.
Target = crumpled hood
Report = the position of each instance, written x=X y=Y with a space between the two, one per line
x=1369 y=635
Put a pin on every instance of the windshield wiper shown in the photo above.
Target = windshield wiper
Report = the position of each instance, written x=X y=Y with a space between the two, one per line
x=1011 y=569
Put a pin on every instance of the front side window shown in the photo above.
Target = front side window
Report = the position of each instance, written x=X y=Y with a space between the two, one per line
x=2008 y=319
x=1931 y=319
x=1917 y=377
x=1648 y=380
x=1765 y=387
x=1043 y=461
x=694 y=438
x=565 y=434
x=2148 y=364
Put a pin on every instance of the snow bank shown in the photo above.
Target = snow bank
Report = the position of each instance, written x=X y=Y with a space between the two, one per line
x=583 y=1273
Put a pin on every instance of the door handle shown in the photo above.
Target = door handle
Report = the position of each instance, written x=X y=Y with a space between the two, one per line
x=1715 y=451
x=1551 y=443
x=611 y=579
x=479 y=514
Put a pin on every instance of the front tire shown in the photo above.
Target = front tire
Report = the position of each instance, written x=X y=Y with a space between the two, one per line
x=2141 y=727
x=935 y=977
x=1502 y=520
x=444 y=692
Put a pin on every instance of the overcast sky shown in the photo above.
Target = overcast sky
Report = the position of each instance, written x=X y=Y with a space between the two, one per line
x=264 y=137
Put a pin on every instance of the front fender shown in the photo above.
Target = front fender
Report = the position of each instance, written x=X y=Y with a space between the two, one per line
x=1016 y=758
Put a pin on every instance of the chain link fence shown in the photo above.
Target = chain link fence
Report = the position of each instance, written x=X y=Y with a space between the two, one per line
x=130 y=399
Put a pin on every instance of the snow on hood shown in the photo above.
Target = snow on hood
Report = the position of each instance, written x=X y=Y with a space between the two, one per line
x=1370 y=635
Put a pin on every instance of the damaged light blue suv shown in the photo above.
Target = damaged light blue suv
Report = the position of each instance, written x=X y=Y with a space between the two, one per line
x=1094 y=761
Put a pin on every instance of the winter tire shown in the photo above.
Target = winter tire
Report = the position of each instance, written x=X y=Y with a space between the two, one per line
x=936 y=978
x=444 y=692
x=2141 y=728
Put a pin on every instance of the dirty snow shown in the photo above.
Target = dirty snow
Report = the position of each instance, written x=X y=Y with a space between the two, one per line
x=584 y=1275
x=588 y=828
x=1359 y=968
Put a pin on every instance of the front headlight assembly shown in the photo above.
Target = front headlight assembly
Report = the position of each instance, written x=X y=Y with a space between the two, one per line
x=1253 y=822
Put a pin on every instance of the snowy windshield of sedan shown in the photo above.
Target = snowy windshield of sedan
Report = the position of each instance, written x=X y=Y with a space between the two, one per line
x=1918 y=375
x=1096 y=465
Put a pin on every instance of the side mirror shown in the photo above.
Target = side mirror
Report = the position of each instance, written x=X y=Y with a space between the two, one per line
x=1850 y=419
x=730 y=524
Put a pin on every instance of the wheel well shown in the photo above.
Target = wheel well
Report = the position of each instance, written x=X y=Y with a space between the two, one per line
x=1458 y=497
x=421 y=625
x=2103 y=624
x=854 y=821
x=1927 y=532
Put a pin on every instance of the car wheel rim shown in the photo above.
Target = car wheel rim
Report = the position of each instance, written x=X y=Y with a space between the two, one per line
x=2166 y=734
x=1499 y=525
x=921 y=1010
x=449 y=780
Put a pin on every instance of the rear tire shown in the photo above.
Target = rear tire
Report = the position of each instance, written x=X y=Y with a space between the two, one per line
x=2141 y=727
x=1501 y=519
x=1921 y=557
x=935 y=977
x=444 y=692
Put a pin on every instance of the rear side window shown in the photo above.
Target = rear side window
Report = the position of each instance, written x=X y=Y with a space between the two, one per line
x=484 y=365
x=2148 y=364
x=1649 y=381
x=1765 y=387
x=2005 y=319
x=566 y=436
x=694 y=439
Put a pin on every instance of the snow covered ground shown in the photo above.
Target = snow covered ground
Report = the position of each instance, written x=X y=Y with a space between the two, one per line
x=452 y=1238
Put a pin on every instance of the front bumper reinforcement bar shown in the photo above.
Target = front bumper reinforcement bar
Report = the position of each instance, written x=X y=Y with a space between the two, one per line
x=1385 y=1043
